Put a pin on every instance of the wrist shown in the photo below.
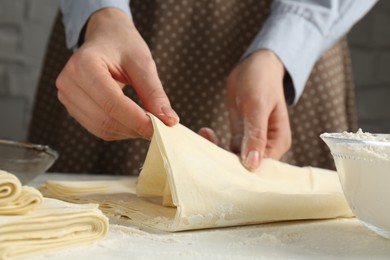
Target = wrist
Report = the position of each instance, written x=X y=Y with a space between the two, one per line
x=109 y=17
x=274 y=63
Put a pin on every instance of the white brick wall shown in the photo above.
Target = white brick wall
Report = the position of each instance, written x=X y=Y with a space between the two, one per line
x=25 y=26
x=24 y=29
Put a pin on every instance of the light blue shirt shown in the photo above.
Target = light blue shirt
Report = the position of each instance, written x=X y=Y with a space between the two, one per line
x=297 y=31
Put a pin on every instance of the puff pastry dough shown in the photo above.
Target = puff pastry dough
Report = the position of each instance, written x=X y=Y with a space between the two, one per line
x=54 y=225
x=31 y=224
x=189 y=183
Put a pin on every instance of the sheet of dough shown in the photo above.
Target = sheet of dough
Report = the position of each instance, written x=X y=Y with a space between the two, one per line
x=52 y=226
x=16 y=199
x=204 y=186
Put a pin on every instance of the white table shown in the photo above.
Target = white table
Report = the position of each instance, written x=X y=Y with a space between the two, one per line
x=323 y=239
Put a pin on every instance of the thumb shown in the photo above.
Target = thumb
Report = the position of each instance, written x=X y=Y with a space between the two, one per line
x=141 y=71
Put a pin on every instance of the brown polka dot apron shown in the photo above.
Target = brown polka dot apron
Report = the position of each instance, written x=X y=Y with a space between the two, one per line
x=195 y=44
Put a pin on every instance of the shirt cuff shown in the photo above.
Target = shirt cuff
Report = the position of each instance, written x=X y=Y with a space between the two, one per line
x=76 y=13
x=298 y=47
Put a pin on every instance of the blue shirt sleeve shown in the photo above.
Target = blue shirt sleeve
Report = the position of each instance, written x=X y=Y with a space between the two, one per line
x=300 y=31
x=77 y=12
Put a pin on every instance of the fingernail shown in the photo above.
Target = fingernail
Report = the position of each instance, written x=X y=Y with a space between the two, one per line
x=169 y=112
x=252 y=160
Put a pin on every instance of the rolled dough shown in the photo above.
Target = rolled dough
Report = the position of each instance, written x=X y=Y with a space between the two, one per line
x=189 y=183
x=16 y=199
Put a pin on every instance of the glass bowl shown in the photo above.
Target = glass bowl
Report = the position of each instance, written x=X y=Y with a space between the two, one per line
x=363 y=165
x=25 y=160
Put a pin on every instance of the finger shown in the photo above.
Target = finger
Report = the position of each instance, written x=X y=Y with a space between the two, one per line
x=88 y=113
x=92 y=117
x=156 y=101
x=209 y=134
x=90 y=124
x=78 y=102
x=97 y=82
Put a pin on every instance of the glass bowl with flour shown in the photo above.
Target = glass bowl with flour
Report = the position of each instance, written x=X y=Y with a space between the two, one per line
x=363 y=164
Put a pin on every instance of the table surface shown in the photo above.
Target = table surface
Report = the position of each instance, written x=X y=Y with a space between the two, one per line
x=320 y=239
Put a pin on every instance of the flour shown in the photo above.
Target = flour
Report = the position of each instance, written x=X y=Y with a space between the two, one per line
x=120 y=232
x=359 y=135
x=264 y=238
x=359 y=146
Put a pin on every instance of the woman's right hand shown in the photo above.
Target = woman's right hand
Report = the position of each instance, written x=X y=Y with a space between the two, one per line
x=90 y=85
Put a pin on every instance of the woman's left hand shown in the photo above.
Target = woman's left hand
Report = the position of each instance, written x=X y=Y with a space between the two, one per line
x=258 y=116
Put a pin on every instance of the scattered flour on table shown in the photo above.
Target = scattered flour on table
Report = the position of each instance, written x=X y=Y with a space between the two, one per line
x=121 y=234
x=136 y=232
x=276 y=239
x=257 y=240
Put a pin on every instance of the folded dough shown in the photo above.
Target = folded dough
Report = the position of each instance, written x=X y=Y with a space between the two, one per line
x=189 y=183
x=53 y=225
x=16 y=199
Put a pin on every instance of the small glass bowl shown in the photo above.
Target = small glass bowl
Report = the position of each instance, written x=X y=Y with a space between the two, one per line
x=363 y=165
x=25 y=160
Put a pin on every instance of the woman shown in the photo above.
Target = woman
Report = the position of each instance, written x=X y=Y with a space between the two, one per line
x=203 y=50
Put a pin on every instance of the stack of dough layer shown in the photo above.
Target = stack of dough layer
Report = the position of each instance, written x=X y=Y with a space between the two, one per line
x=54 y=225
x=31 y=224
x=189 y=183
x=16 y=199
